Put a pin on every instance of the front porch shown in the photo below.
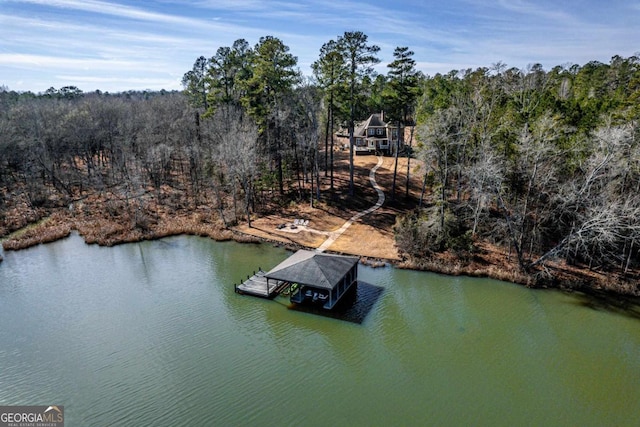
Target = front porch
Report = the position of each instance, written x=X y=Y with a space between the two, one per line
x=372 y=146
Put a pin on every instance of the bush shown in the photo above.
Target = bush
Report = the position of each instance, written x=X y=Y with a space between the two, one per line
x=457 y=235
x=417 y=234
x=420 y=234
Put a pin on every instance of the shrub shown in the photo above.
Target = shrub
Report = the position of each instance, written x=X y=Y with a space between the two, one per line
x=420 y=234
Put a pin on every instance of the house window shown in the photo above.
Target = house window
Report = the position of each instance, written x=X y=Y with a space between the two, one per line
x=371 y=131
x=379 y=131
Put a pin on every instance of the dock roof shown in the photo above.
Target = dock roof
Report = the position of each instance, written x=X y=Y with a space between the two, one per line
x=315 y=269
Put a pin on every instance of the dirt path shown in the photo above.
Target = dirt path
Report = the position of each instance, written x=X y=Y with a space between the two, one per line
x=336 y=234
x=366 y=231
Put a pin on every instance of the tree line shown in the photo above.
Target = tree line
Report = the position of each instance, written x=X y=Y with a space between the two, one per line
x=263 y=83
x=56 y=149
x=544 y=163
x=244 y=132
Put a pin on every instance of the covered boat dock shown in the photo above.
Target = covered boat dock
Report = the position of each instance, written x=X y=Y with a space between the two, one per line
x=314 y=277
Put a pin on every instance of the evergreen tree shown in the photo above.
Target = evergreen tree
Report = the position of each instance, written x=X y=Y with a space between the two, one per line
x=330 y=72
x=195 y=83
x=359 y=57
x=400 y=94
x=229 y=68
x=273 y=76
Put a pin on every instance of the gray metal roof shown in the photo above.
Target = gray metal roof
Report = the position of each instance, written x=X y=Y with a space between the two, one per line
x=313 y=268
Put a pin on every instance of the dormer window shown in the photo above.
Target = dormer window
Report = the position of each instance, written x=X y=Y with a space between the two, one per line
x=379 y=131
x=371 y=131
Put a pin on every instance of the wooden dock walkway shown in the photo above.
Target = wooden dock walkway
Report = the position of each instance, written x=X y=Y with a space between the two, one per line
x=258 y=286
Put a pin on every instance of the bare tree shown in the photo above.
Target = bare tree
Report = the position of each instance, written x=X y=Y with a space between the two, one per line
x=600 y=218
x=238 y=154
x=441 y=137
x=307 y=134
x=486 y=174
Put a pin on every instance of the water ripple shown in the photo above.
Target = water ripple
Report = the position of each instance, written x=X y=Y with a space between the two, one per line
x=153 y=334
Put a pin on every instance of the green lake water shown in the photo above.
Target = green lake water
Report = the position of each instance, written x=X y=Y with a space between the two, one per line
x=152 y=334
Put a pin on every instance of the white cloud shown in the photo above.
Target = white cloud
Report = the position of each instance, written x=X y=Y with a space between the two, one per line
x=138 y=14
x=153 y=83
x=122 y=11
x=113 y=45
x=55 y=62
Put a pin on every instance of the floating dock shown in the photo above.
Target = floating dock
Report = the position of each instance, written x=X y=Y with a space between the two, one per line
x=258 y=286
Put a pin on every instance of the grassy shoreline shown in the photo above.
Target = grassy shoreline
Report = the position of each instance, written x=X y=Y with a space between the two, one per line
x=106 y=232
x=109 y=233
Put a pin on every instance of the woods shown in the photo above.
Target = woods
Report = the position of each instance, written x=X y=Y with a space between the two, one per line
x=543 y=165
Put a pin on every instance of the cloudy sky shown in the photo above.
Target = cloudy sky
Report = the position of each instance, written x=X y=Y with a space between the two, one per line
x=118 y=45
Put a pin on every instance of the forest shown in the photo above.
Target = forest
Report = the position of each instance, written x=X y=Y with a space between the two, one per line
x=542 y=163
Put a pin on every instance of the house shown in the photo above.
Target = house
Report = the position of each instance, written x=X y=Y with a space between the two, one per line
x=375 y=136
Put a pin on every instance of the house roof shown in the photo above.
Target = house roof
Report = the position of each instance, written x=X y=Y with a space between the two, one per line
x=313 y=268
x=374 y=120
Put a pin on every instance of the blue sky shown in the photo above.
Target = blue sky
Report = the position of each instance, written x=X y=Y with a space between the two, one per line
x=118 y=45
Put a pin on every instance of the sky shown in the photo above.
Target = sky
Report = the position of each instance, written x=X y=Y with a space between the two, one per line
x=120 y=45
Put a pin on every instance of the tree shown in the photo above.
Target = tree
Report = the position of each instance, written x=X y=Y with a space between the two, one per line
x=374 y=94
x=70 y=92
x=330 y=71
x=228 y=69
x=274 y=75
x=359 y=57
x=306 y=128
x=195 y=83
x=440 y=138
x=238 y=153
x=400 y=95
x=486 y=175
x=196 y=87
x=598 y=213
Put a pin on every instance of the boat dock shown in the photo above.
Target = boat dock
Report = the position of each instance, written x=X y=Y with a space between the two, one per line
x=258 y=285
x=308 y=277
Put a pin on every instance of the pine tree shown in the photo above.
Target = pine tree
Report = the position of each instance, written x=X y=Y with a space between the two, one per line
x=359 y=58
x=401 y=92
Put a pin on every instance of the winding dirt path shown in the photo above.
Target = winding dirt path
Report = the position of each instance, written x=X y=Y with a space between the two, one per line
x=365 y=232
x=333 y=236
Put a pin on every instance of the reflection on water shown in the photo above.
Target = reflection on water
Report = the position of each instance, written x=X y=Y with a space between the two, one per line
x=153 y=334
x=354 y=306
x=600 y=300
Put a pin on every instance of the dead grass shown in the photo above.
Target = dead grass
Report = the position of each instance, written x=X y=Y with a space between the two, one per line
x=461 y=268
x=107 y=232
x=48 y=230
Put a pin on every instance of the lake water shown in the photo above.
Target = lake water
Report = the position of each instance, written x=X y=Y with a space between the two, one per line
x=152 y=334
